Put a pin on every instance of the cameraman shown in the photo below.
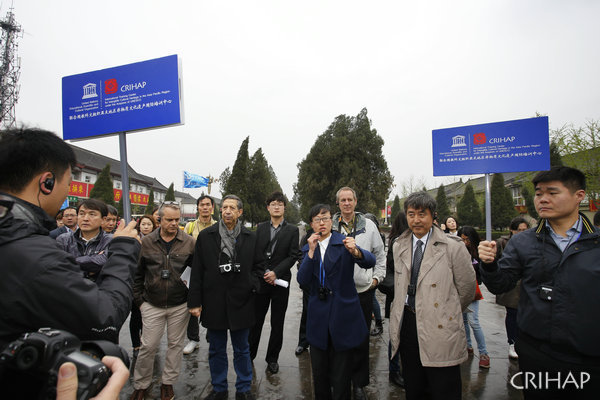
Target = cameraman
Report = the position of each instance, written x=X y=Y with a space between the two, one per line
x=41 y=285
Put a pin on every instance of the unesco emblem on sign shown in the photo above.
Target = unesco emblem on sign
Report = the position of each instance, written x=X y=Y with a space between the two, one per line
x=458 y=141
x=89 y=91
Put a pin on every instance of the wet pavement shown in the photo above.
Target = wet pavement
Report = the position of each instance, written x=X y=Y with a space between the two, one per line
x=294 y=381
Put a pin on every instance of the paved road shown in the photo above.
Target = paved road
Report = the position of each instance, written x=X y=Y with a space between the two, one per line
x=294 y=378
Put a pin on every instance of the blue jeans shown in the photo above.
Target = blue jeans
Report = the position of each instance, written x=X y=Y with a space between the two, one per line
x=376 y=309
x=472 y=319
x=217 y=359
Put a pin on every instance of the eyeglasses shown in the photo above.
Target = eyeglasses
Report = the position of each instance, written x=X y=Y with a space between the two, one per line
x=276 y=204
x=323 y=219
x=173 y=204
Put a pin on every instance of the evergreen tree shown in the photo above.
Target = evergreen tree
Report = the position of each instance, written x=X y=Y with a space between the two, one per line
x=528 y=196
x=555 y=157
x=150 y=206
x=170 y=195
x=120 y=206
x=468 y=209
x=261 y=182
x=443 y=211
x=292 y=211
x=223 y=179
x=395 y=208
x=237 y=182
x=503 y=209
x=348 y=153
x=103 y=188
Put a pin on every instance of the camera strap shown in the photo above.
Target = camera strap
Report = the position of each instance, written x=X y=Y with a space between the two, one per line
x=271 y=246
x=232 y=258
x=342 y=225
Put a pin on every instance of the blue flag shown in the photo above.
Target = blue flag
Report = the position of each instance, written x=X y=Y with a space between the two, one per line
x=193 y=180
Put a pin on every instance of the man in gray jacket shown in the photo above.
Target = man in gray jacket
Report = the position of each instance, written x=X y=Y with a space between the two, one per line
x=351 y=223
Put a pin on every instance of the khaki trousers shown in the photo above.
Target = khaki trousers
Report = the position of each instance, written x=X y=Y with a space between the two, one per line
x=154 y=320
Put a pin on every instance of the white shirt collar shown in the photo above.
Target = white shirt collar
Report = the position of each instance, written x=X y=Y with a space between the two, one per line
x=323 y=246
x=424 y=239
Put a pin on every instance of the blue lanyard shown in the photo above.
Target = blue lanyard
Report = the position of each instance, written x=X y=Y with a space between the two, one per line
x=321 y=271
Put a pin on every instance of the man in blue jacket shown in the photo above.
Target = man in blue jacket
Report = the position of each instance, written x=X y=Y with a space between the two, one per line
x=335 y=325
x=558 y=263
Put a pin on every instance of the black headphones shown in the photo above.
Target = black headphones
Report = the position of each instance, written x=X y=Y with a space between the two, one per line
x=47 y=185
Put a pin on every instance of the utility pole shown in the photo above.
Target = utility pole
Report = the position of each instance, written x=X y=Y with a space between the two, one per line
x=10 y=70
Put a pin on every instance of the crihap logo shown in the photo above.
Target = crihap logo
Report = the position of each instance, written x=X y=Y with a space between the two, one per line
x=479 y=138
x=111 y=86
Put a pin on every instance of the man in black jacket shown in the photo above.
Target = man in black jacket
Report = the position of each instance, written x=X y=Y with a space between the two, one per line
x=558 y=264
x=224 y=280
x=35 y=174
x=278 y=242
x=41 y=285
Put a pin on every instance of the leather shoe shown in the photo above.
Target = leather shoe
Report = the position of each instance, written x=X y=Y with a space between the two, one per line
x=273 y=367
x=300 y=350
x=217 y=395
x=377 y=330
x=138 y=394
x=166 y=392
x=359 y=393
x=244 y=395
x=397 y=379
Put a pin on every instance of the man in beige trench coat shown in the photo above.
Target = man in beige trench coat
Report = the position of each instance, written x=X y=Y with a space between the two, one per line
x=434 y=282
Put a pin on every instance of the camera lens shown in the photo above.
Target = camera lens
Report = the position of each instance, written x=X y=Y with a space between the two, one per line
x=100 y=348
x=27 y=357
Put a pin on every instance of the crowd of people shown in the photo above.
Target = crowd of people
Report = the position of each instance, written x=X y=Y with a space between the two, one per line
x=89 y=273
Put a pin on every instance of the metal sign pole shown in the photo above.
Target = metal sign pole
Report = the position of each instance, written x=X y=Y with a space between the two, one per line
x=488 y=209
x=124 y=177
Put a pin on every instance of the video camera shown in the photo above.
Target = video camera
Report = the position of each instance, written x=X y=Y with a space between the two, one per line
x=35 y=358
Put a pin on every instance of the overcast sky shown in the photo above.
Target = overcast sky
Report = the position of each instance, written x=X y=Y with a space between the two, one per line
x=281 y=71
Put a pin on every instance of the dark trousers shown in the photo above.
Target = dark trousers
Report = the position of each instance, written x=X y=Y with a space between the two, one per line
x=510 y=321
x=394 y=362
x=424 y=382
x=193 y=329
x=537 y=366
x=277 y=297
x=360 y=355
x=376 y=310
x=331 y=372
x=302 y=331
x=135 y=326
